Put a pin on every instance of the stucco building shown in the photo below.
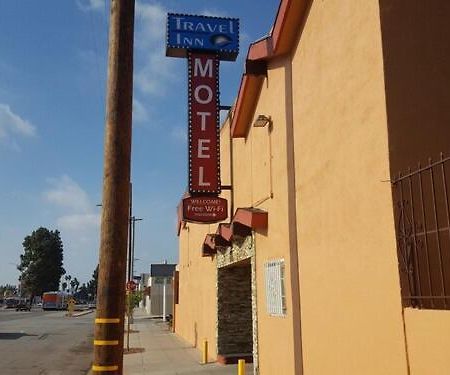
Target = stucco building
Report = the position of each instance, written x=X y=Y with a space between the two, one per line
x=336 y=257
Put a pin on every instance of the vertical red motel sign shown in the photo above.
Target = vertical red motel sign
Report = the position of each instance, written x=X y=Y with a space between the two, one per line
x=204 y=162
x=204 y=41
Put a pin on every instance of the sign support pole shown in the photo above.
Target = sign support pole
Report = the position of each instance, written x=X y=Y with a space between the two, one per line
x=164 y=299
x=130 y=234
x=128 y=319
x=109 y=322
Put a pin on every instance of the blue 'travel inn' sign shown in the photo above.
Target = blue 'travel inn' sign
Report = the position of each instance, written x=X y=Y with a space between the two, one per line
x=202 y=33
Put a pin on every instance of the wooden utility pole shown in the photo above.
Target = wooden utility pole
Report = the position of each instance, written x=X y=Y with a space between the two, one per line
x=130 y=233
x=109 y=322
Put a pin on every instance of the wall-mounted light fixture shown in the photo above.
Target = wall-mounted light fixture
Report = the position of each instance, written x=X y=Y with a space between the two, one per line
x=262 y=120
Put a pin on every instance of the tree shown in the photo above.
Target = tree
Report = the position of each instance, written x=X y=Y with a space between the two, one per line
x=7 y=290
x=82 y=293
x=92 y=284
x=41 y=265
x=74 y=283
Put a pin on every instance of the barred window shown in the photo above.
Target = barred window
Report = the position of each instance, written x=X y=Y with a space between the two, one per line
x=422 y=217
x=275 y=292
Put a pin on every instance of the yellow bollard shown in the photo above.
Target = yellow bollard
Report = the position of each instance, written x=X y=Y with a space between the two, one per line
x=70 y=307
x=205 y=352
x=241 y=367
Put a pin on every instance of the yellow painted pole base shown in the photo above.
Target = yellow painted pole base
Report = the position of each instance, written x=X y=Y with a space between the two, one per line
x=205 y=352
x=241 y=367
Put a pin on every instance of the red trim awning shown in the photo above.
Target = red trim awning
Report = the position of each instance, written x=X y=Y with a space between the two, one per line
x=253 y=218
x=211 y=243
x=224 y=231
x=209 y=246
x=283 y=36
x=249 y=94
x=243 y=222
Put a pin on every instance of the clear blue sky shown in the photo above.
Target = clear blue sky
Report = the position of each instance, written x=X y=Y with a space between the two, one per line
x=52 y=109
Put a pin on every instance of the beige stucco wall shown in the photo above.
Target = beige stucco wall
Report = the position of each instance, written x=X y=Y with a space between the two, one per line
x=428 y=337
x=266 y=170
x=196 y=312
x=259 y=180
x=349 y=285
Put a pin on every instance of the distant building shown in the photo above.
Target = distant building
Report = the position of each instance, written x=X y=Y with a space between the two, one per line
x=162 y=270
x=160 y=284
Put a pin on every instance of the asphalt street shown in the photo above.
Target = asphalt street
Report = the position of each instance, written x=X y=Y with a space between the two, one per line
x=45 y=343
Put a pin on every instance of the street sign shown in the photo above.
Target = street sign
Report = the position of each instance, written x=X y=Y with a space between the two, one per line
x=131 y=285
x=205 y=41
x=206 y=209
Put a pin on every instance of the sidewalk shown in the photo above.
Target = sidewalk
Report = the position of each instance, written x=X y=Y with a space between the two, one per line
x=157 y=351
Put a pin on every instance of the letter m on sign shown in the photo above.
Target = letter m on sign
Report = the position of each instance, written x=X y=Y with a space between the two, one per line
x=204 y=148
x=203 y=69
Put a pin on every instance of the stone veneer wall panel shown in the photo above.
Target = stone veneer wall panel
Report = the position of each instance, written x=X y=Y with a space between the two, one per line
x=235 y=310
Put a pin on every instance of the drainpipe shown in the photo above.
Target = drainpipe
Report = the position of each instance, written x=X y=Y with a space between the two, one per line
x=230 y=116
x=292 y=217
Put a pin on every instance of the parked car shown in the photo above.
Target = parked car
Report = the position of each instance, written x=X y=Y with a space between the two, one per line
x=23 y=306
x=12 y=302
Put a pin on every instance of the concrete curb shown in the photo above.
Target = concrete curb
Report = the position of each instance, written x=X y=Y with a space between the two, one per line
x=82 y=313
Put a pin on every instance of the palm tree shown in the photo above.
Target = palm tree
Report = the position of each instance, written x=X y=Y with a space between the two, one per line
x=76 y=284
x=67 y=278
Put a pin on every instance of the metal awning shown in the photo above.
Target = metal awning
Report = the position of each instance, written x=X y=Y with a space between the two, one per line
x=243 y=222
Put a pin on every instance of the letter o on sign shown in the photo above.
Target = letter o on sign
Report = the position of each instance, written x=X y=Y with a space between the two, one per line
x=208 y=97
